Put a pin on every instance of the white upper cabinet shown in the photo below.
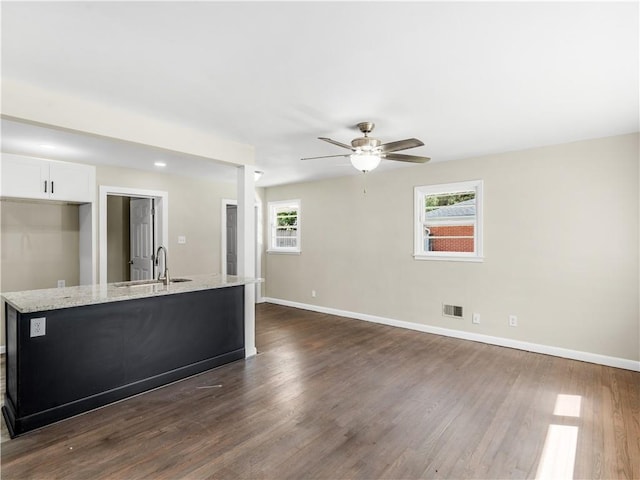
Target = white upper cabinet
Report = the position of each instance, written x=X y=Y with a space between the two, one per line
x=37 y=178
x=72 y=181
x=24 y=177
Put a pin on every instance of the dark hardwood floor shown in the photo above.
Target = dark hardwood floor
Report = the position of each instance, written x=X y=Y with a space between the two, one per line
x=329 y=397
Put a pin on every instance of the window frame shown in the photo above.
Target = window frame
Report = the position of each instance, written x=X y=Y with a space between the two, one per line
x=420 y=192
x=272 y=207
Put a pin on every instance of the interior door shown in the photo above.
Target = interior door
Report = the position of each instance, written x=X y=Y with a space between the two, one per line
x=142 y=238
x=232 y=240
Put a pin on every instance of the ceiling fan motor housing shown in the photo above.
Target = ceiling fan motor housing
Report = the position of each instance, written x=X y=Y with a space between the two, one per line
x=365 y=143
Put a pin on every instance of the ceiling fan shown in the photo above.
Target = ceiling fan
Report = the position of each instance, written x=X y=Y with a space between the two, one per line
x=366 y=151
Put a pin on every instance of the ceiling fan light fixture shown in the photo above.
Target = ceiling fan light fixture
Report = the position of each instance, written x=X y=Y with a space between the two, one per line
x=368 y=151
x=365 y=162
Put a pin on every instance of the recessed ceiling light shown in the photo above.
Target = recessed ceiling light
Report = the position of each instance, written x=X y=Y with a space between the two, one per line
x=160 y=164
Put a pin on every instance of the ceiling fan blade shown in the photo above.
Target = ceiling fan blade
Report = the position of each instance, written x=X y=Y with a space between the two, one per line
x=401 y=145
x=340 y=144
x=405 y=158
x=325 y=156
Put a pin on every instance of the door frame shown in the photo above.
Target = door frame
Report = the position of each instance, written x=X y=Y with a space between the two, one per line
x=223 y=241
x=162 y=217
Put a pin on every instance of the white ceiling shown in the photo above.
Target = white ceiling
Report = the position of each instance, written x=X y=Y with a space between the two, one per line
x=466 y=78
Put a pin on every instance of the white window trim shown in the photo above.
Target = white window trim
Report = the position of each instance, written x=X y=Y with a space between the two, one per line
x=418 y=242
x=271 y=206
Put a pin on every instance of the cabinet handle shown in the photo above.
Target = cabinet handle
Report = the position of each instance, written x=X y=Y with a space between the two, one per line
x=45 y=186
x=51 y=186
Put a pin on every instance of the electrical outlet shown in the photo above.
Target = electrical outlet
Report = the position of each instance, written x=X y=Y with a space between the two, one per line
x=475 y=318
x=182 y=239
x=513 y=321
x=313 y=293
x=38 y=327
x=61 y=283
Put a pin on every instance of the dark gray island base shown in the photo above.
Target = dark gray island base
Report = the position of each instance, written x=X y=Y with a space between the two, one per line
x=93 y=355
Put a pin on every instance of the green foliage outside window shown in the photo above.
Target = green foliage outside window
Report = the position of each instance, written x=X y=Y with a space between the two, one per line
x=442 y=200
x=287 y=220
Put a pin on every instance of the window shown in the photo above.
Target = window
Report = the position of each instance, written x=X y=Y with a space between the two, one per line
x=448 y=221
x=284 y=222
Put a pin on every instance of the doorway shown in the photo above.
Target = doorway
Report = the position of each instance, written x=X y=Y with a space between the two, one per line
x=132 y=223
x=131 y=238
x=232 y=239
x=229 y=241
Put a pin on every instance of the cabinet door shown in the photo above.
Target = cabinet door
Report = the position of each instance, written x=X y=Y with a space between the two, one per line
x=72 y=182
x=24 y=177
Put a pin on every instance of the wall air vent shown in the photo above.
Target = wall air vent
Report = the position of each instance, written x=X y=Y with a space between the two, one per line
x=452 y=311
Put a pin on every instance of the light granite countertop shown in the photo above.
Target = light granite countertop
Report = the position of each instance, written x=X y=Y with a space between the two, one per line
x=55 y=298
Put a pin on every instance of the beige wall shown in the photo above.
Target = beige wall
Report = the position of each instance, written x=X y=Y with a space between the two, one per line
x=560 y=239
x=40 y=245
x=194 y=211
x=195 y=207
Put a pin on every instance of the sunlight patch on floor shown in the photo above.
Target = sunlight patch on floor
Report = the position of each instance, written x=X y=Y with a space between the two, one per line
x=568 y=405
x=559 y=452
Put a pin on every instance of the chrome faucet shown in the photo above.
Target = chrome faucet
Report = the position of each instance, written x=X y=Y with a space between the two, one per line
x=164 y=278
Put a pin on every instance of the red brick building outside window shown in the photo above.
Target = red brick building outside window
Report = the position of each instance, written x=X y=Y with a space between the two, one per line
x=450 y=222
x=451 y=243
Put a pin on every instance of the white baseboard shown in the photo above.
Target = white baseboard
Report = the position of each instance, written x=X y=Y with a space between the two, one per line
x=476 y=337
x=250 y=352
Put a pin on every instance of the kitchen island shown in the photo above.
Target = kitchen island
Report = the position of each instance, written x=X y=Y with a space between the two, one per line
x=70 y=350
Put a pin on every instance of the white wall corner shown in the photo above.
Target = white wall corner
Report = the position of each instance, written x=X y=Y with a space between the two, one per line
x=246 y=252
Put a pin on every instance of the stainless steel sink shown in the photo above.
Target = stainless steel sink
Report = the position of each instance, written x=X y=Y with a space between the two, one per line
x=144 y=283
x=136 y=283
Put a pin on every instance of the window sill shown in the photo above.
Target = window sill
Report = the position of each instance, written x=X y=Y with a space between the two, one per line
x=284 y=252
x=448 y=258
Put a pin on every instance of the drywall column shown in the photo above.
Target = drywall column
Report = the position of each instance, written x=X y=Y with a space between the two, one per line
x=246 y=252
x=88 y=240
